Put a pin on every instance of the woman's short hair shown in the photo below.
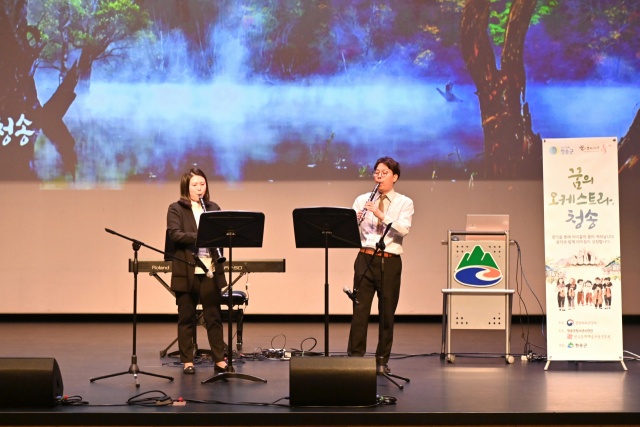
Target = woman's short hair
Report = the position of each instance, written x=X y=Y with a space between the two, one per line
x=390 y=163
x=186 y=181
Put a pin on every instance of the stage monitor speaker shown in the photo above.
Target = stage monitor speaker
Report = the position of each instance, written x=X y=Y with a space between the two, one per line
x=29 y=382
x=332 y=381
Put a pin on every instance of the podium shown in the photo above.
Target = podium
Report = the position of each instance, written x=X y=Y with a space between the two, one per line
x=477 y=294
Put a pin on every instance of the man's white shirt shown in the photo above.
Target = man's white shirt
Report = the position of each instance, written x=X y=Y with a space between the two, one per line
x=398 y=210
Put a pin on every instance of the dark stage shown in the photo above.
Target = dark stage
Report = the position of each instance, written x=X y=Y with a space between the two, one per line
x=472 y=391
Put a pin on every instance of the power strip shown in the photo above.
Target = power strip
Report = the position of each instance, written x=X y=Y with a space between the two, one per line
x=274 y=353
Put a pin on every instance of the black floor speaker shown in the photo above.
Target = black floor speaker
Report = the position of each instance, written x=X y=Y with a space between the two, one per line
x=29 y=382
x=332 y=381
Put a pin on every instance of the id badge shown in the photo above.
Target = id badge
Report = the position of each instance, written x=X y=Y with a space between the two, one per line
x=372 y=239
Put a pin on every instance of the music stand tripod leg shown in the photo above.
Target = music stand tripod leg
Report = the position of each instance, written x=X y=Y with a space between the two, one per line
x=154 y=375
x=236 y=375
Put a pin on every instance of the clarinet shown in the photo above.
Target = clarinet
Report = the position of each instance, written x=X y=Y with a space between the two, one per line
x=373 y=196
x=221 y=259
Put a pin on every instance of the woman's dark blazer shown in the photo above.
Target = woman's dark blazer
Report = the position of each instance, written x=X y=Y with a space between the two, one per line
x=182 y=230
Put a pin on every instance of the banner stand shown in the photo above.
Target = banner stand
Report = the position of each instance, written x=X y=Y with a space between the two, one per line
x=583 y=281
x=546 y=366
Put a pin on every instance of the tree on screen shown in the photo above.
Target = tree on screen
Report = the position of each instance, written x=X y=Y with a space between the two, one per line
x=102 y=29
x=53 y=19
x=629 y=149
x=603 y=34
x=99 y=29
x=509 y=142
x=21 y=45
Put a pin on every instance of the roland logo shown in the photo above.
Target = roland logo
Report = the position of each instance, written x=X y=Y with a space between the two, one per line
x=160 y=267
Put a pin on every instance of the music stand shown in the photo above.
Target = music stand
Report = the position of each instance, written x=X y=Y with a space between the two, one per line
x=231 y=229
x=326 y=228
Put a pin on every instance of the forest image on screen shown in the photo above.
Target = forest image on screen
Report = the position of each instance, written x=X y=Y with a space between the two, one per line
x=110 y=91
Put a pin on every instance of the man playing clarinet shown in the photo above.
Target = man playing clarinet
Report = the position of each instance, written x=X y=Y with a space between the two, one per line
x=386 y=207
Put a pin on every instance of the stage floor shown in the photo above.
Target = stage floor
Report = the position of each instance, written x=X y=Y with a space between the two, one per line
x=472 y=391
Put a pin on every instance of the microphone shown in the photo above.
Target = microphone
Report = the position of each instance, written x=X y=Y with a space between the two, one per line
x=221 y=259
x=371 y=197
x=351 y=295
x=200 y=264
x=381 y=245
x=386 y=230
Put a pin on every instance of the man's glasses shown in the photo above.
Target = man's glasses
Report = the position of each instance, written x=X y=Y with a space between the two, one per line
x=381 y=173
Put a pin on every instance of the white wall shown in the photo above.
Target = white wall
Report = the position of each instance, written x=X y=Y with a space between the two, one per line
x=57 y=258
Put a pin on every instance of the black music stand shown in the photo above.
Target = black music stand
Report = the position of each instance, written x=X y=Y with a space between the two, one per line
x=133 y=368
x=326 y=228
x=229 y=229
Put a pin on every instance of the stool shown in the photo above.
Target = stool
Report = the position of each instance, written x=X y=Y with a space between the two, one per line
x=238 y=298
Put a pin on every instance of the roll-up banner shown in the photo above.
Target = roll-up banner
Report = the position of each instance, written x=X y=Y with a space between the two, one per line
x=582 y=249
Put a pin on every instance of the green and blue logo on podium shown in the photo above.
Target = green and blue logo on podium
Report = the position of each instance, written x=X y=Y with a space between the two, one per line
x=477 y=269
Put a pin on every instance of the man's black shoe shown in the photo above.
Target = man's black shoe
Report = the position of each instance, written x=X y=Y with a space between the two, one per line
x=190 y=370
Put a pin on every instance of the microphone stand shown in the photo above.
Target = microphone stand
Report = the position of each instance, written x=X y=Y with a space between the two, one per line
x=380 y=247
x=134 y=369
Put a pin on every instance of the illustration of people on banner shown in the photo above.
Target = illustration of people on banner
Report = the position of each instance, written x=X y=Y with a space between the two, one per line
x=584 y=280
